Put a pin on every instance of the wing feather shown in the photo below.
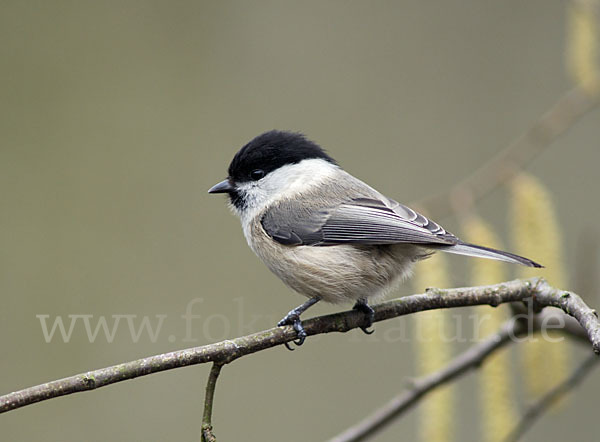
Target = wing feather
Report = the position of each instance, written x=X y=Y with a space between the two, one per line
x=357 y=221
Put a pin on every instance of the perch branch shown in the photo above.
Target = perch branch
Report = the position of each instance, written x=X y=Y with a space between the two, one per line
x=470 y=359
x=227 y=351
x=551 y=397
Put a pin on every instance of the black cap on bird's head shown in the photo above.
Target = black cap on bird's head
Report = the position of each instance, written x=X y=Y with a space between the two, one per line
x=266 y=153
x=270 y=151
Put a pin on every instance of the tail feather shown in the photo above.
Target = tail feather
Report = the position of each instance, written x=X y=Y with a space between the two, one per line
x=489 y=253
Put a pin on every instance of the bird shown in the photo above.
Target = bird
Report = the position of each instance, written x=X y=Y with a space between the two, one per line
x=326 y=234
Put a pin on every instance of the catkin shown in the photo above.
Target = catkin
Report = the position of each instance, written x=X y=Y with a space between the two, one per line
x=583 y=36
x=433 y=350
x=536 y=235
x=496 y=389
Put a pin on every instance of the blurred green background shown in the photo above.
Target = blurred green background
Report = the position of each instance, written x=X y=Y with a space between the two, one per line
x=117 y=116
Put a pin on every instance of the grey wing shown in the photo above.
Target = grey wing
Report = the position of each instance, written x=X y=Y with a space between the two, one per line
x=356 y=221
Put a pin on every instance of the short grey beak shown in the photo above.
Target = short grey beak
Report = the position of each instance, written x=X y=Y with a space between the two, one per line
x=222 y=187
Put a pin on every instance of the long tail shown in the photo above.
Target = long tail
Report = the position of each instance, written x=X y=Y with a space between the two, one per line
x=463 y=248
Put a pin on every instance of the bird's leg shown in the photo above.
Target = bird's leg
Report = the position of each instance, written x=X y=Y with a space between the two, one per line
x=293 y=319
x=362 y=306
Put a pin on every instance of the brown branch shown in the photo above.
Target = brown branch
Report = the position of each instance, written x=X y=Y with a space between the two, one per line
x=207 y=428
x=466 y=361
x=229 y=350
x=536 y=410
x=549 y=127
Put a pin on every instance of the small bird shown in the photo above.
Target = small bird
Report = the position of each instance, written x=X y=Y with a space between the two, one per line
x=326 y=234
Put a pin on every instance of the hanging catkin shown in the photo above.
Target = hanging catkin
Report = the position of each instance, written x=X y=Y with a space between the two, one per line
x=583 y=38
x=536 y=234
x=432 y=339
x=496 y=388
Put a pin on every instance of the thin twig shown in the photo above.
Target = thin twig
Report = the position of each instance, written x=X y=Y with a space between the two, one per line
x=230 y=350
x=470 y=359
x=536 y=410
x=551 y=125
x=207 y=428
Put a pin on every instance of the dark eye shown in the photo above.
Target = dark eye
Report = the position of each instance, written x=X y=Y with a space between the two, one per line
x=257 y=174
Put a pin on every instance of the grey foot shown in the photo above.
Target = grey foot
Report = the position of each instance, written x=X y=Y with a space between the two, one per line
x=294 y=320
x=362 y=306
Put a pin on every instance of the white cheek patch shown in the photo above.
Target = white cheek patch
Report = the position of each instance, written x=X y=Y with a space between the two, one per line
x=284 y=182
